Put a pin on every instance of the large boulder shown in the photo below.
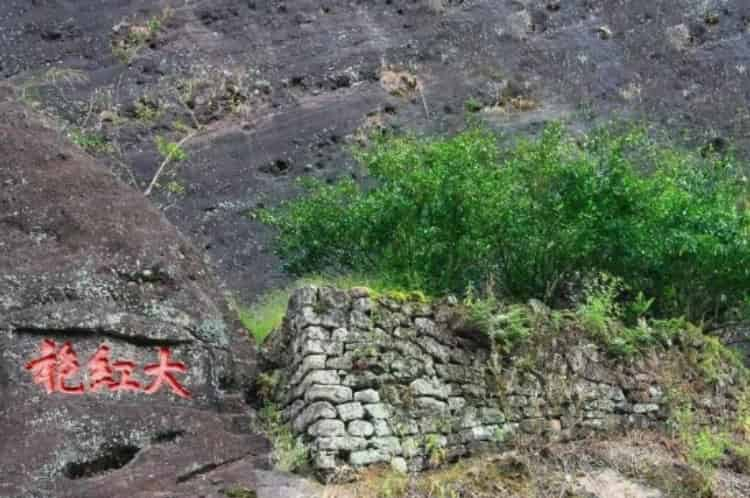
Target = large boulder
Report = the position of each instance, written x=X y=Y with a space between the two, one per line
x=122 y=370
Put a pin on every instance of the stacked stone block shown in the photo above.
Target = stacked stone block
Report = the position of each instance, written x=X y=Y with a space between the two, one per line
x=373 y=380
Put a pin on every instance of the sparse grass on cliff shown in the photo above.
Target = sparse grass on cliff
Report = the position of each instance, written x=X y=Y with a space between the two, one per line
x=267 y=313
x=289 y=452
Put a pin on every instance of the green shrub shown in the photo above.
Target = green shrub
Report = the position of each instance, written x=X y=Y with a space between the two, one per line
x=473 y=105
x=600 y=310
x=393 y=485
x=170 y=151
x=444 y=213
x=91 y=142
x=708 y=447
x=289 y=452
x=507 y=326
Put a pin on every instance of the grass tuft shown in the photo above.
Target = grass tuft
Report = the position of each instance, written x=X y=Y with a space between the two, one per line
x=267 y=314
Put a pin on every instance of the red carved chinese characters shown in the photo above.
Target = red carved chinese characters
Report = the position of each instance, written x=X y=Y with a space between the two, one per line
x=54 y=369
x=126 y=383
x=67 y=366
x=44 y=368
x=100 y=371
x=163 y=373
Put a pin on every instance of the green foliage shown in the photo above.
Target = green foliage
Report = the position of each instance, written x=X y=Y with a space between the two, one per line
x=138 y=36
x=447 y=212
x=743 y=415
x=434 y=449
x=90 y=142
x=170 y=151
x=265 y=384
x=703 y=448
x=707 y=448
x=638 y=307
x=267 y=314
x=393 y=485
x=502 y=434
x=289 y=452
x=600 y=309
x=146 y=111
x=154 y=26
x=714 y=359
x=239 y=492
x=507 y=326
x=175 y=187
x=626 y=331
x=473 y=105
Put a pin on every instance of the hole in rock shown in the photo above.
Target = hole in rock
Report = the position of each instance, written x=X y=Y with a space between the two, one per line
x=113 y=457
x=277 y=168
x=167 y=436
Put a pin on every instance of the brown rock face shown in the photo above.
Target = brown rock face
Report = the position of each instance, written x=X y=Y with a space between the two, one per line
x=87 y=266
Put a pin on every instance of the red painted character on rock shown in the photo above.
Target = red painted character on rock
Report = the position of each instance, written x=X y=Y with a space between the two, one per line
x=100 y=371
x=53 y=368
x=163 y=373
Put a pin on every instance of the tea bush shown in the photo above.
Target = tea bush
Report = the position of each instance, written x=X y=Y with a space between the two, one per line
x=441 y=214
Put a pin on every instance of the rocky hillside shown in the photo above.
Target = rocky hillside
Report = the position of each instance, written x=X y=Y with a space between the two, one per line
x=97 y=293
x=140 y=138
x=270 y=90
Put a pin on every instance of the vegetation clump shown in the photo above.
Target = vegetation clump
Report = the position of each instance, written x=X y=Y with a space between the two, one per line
x=708 y=446
x=262 y=317
x=448 y=213
x=289 y=452
x=91 y=142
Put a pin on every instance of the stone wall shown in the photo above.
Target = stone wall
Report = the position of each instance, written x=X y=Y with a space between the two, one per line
x=368 y=380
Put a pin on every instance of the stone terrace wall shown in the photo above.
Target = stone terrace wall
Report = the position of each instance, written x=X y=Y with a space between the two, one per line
x=368 y=380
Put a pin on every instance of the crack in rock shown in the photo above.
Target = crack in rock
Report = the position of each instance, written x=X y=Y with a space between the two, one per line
x=89 y=332
x=209 y=467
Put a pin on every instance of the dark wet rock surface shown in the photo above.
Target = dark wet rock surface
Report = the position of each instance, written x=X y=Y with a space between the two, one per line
x=87 y=261
x=269 y=91
x=281 y=89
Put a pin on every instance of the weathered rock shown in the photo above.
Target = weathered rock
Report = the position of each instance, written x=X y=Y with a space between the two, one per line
x=333 y=394
x=88 y=265
x=388 y=445
x=309 y=363
x=341 y=443
x=377 y=410
x=381 y=427
x=313 y=412
x=326 y=377
x=433 y=388
x=468 y=403
x=367 y=396
x=367 y=457
x=332 y=298
x=431 y=404
x=350 y=411
x=645 y=407
x=327 y=428
x=360 y=428
x=399 y=465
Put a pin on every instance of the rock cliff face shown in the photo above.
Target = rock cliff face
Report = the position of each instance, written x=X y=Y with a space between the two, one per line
x=269 y=91
x=371 y=380
x=95 y=287
x=282 y=86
